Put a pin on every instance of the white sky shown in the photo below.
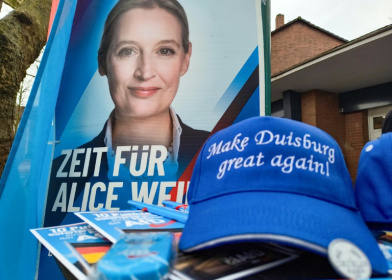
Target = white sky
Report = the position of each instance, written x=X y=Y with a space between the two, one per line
x=348 y=19
x=5 y=9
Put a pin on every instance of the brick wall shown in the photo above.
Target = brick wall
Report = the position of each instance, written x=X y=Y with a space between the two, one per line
x=279 y=21
x=321 y=109
x=357 y=134
x=308 y=108
x=296 y=43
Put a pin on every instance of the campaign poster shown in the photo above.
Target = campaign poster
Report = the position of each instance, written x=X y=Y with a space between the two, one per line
x=141 y=90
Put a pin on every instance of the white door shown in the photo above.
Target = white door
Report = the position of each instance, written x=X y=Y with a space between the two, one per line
x=375 y=119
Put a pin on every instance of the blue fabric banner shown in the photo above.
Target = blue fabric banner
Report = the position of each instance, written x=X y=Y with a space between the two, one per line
x=24 y=181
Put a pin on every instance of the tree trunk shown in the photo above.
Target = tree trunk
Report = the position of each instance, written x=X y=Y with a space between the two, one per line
x=23 y=34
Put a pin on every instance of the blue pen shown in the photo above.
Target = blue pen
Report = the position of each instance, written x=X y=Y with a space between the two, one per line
x=176 y=205
x=159 y=210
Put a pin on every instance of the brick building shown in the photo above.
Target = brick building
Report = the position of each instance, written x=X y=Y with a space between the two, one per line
x=343 y=87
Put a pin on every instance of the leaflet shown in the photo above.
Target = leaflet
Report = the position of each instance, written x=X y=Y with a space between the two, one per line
x=77 y=246
x=232 y=261
x=384 y=240
x=113 y=224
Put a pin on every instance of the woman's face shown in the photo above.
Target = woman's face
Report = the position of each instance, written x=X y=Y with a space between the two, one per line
x=144 y=62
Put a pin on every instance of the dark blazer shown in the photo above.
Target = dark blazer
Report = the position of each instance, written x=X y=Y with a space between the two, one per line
x=191 y=141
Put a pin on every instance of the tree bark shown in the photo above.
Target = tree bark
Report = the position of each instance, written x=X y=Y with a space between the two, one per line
x=14 y=4
x=23 y=34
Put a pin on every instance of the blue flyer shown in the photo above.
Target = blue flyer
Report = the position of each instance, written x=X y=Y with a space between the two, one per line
x=78 y=247
x=113 y=224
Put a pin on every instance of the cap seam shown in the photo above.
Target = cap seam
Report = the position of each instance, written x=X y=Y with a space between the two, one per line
x=195 y=201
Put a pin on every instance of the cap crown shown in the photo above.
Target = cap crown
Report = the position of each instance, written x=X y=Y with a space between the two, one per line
x=373 y=185
x=268 y=154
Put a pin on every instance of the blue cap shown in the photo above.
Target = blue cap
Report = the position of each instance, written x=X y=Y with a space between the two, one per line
x=274 y=179
x=373 y=185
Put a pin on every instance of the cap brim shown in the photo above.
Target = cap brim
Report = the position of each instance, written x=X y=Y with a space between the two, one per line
x=286 y=218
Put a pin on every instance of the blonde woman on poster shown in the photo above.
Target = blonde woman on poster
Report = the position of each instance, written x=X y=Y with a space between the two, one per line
x=143 y=53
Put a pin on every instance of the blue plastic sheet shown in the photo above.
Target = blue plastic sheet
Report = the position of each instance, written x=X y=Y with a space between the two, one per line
x=24 y=180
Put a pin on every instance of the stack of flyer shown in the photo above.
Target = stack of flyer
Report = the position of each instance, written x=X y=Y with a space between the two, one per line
x=384 y=240
x=79 y=247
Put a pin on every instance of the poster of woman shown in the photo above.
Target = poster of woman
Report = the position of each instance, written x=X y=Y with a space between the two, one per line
x=145 y=83
x=96 y=133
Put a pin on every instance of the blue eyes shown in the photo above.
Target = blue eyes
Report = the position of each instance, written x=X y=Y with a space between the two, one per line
x=166 y=51
x=125 y=52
